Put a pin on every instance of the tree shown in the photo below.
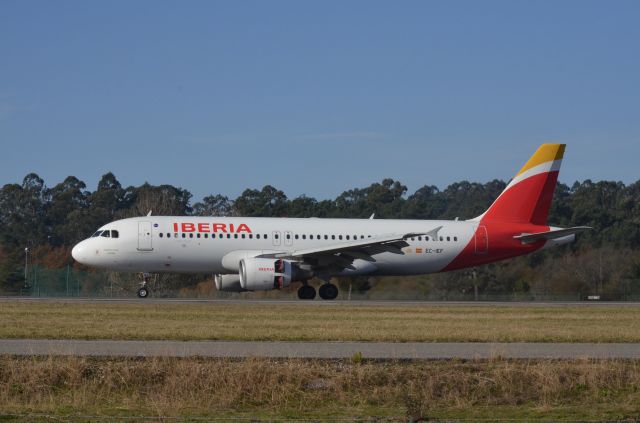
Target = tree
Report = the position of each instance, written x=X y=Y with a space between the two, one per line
x=214 y=205
x=269 y=202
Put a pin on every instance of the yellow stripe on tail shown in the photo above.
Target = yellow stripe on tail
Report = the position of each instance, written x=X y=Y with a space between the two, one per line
x=545 y=153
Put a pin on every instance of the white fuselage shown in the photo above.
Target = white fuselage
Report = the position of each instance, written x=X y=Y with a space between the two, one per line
x=217 y=244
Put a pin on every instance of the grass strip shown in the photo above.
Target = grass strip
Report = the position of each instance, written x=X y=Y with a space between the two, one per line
x=193 y=388
x=274 y=322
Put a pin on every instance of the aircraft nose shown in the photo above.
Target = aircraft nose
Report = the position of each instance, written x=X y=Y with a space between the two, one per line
x=78 y=251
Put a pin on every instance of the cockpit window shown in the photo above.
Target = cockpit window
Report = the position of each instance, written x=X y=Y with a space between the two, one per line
x=105 y=234
x=114 y=234
x=96 y=234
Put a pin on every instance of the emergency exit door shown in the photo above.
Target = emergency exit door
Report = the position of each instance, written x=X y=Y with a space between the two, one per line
x=144 y=236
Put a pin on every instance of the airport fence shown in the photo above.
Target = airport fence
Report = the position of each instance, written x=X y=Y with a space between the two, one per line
x=70 y=282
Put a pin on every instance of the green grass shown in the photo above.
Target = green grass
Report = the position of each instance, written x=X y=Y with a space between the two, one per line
x=340 y=322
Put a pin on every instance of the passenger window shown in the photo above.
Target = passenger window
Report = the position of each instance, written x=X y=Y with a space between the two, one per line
x=326 y=237
x=206 y=235
x=340 y=237
x=184 y=235
x=441 y=239
x=455 y=238
x=220 y=235
x=448 y=238
x=250 y=236
x=333 y=237
x=265 y=236
x=228 y=236
x=160 y=234
x=277 y=236
x=288 y=236
x=191 y=235
x=304 y=237
x=426 y=238
x=105 y=234
x=243 y=236
x=257 y=236
x=198 y=236
x=235 y=236
x=296 y=236
x=168 y=234
x=114 y=234
x=347 y=236
x=419 y=238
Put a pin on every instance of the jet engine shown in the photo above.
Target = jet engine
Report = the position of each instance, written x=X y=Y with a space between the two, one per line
x=228 y=283
x=261 y=274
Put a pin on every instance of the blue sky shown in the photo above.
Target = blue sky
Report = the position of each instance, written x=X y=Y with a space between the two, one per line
x=316 y=97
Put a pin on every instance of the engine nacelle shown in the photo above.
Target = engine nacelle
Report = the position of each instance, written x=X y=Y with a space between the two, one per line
x=261 y=274
x=228 y=283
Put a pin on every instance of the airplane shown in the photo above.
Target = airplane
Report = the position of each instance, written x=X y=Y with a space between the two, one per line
x=256 y=253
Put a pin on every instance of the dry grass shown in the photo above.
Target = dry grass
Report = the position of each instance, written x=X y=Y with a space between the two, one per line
x=254 y=321
x=297 y=388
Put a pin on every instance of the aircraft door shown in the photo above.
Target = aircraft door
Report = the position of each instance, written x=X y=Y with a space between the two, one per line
x=482 y=240
x=288 y=238
x=144 y=236
x=275 y=235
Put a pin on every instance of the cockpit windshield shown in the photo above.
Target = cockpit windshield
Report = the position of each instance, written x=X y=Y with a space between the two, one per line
x=106 y=234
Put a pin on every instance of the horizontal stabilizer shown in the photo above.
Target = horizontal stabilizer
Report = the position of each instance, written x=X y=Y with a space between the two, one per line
x=552 y=234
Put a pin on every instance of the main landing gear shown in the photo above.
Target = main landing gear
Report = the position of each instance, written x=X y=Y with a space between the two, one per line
x=327 y=291
x=143 y=292
x=306 y=292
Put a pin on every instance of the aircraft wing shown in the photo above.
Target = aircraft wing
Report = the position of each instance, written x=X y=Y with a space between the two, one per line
x=344 y=253
x=552 y=234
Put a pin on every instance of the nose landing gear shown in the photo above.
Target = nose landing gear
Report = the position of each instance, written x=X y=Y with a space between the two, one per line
x=143 y=292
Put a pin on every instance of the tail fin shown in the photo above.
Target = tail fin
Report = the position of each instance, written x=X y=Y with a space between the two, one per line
x=528 y=196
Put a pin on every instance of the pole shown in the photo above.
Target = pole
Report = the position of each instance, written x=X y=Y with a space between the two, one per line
x=26 y=265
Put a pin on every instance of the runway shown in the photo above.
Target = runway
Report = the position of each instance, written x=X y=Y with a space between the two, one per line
x=320 y=303
x=319 y=350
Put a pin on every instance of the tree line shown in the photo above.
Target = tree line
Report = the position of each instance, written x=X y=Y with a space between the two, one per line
x=50 y=220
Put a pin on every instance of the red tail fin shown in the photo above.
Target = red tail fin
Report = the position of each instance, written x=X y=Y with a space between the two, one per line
x=528 y=196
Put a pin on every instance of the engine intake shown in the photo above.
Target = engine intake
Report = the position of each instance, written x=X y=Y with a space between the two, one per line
x=261 y=274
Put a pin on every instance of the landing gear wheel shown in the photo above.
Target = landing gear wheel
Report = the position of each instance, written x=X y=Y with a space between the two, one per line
x=328 y=291
x=306 y=292
x=143 y=292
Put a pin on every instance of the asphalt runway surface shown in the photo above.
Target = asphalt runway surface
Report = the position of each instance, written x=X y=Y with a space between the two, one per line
x=319 y=302
x=319 y=350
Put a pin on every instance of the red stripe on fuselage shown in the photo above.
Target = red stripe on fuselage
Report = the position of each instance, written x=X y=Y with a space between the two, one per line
x=521 y=209
x=501 y=243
